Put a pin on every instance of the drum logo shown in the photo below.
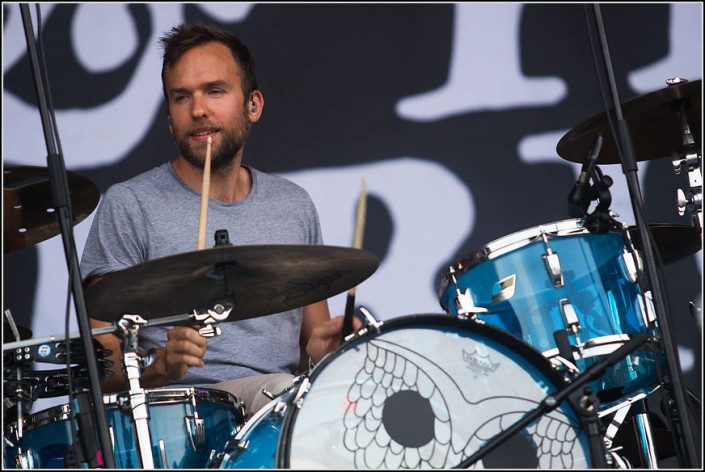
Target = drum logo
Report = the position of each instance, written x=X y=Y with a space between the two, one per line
x=478 y=363
x=44 y=350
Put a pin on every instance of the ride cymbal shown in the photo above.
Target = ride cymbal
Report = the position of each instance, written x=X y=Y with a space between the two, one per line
x=655 y=124
x=673 y=242
x=29 y=216
x=260 y=280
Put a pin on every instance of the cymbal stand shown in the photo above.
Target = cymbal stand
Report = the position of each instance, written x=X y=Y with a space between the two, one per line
x=132 y=365
x=680 y=422
x=62 y=204
x=642 y=425
x=692 y=200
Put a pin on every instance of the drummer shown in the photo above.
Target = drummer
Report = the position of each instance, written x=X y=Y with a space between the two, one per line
x=209 y=83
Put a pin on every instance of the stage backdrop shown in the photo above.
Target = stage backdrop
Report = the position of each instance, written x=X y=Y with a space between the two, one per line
x=450 y=112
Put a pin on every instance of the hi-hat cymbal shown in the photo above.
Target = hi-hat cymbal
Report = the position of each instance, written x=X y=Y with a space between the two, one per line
x=29 y=216
x=655 y=125
x=262 y=280
x=9 y=337
x=673 y=242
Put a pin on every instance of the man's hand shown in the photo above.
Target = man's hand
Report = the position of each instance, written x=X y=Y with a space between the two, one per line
x=184 y=348
x=325 y=337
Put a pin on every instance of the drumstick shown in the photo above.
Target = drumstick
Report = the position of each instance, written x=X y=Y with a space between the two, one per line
x=357 y=244
x=205 y=190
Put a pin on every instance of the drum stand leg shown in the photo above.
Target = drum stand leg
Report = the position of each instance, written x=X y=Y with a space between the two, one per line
x=642 y=429
x=133 y=365
x=642 y=426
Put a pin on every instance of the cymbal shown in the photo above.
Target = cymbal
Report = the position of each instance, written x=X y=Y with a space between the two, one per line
x=655 y=126
x=9 y=337
x=673 y=242
x=29 y=216
x=262 y=280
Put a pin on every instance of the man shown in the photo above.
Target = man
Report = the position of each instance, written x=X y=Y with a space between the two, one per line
x=211 y=91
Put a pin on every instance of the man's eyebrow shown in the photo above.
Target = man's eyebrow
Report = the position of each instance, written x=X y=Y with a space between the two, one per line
x=207 y=85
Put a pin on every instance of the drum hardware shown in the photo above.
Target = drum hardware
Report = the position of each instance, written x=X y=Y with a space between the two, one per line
x=552 y=263
x=644 y=436
x=680 y=99
x=611 y=430
x=692 y=200
x=463 y=300
x=132 y=366
x=572 y=323
x=369 y=323
x=210 y=316
x=645 y=444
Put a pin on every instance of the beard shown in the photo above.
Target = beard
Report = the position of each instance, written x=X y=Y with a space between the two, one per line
x=232 y=141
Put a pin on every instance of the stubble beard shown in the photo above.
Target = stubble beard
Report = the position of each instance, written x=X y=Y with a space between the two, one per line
x=231 y=143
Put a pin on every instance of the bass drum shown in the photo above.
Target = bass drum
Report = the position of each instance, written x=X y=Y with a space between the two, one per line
x=427 y=391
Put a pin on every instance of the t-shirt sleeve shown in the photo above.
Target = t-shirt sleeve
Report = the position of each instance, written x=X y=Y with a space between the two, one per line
x=117 y=236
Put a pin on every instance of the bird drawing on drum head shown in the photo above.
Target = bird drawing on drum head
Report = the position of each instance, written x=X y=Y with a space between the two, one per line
x=406 y=411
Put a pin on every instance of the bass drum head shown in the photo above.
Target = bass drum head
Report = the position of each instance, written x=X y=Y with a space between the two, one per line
x=427 y=391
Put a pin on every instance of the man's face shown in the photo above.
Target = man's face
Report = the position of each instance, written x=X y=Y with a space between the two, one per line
x=205 y=99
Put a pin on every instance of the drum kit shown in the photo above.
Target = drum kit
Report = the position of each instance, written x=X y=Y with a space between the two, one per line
x=550 y=340
x=547 y=346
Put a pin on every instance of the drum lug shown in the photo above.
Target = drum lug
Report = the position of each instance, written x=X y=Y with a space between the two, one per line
x=647 y=308
x=303 y=389
x=196 y=431
x=632 y=263
x=162 y=454
x=24 y=460
x=463 y=300
x=553 y=264
x=571 y=319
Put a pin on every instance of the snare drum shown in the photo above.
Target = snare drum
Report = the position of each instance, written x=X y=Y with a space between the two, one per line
x=427 y=391
x=558 y=286
x=188 y=427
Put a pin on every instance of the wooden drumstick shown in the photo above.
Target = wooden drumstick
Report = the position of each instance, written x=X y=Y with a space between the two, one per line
x=360 y=222
x=205 y=190
x=357 y=244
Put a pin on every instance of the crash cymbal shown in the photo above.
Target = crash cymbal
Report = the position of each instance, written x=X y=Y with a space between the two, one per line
x=9 y=337
x=262 y=280
x=28 y=216
x=673 y=242
x=655 y=125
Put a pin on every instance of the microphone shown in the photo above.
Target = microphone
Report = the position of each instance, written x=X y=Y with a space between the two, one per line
x=580 y=197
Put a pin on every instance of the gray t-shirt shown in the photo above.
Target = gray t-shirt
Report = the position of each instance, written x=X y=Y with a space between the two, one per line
x=156 y=214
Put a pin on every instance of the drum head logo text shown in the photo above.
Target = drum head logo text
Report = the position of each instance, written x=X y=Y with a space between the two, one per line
x=478 y=363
